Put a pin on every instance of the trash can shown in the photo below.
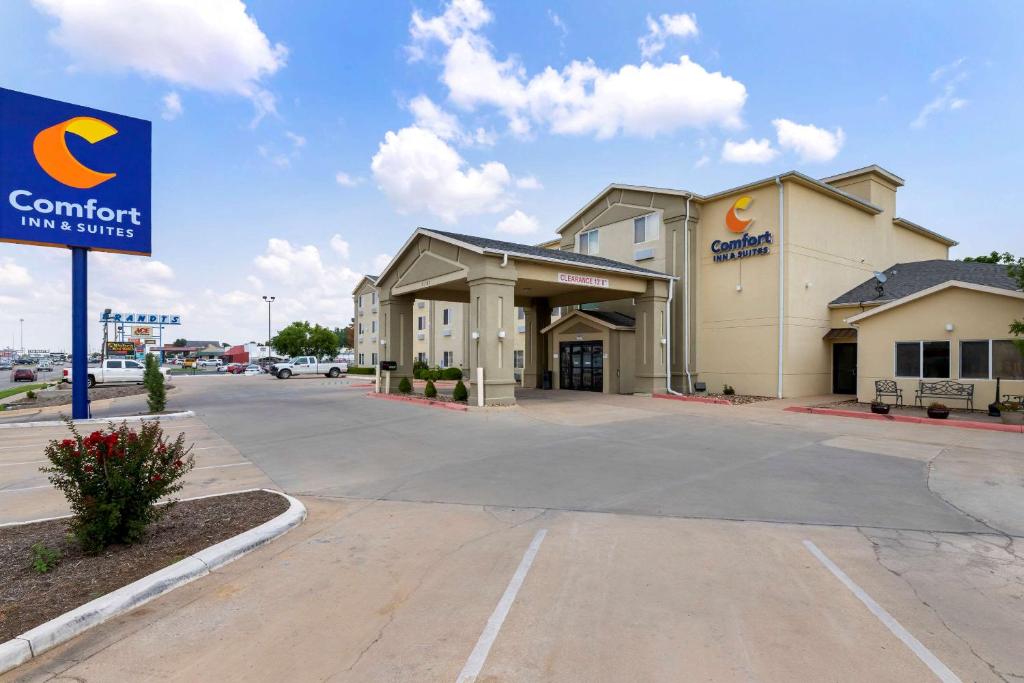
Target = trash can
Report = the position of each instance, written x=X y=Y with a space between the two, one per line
x=547 y=380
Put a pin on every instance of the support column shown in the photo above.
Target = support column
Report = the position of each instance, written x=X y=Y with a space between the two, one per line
x=536 y=357
x=650 y=335
x=79 y=333
x=396 y=323
x=492 y=312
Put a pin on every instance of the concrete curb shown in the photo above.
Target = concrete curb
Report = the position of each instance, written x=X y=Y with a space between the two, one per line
x=34 y=642
x=100 y=420
x=445 y=405
x=908 y=419
x=694 y=399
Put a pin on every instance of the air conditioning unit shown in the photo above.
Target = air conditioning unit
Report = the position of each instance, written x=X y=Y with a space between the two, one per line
x=446 y=332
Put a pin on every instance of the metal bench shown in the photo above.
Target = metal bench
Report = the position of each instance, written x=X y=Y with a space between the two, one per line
x=947 y=389
x=888 y=387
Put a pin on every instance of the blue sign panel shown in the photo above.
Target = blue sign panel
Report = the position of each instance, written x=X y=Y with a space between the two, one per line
x=73 y=176
x=141 y=318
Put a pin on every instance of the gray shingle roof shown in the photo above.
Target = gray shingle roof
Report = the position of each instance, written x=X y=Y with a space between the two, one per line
x=612 y=317
x=905 y=279
x=551 y=254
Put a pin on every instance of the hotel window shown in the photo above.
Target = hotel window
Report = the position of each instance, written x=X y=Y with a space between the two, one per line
x=421 y=357
x=974 y=360
x=373 y=297
x=922 y=359
x=421 y=322
x=521 y=313
x=447 y=359
x=373 y=359
x=991 y=358
x=446 y=316
x=589 y=243
x=373 y=326
x=518 y=357
x=362 y=358
x=1007 y=359
x=360 y=328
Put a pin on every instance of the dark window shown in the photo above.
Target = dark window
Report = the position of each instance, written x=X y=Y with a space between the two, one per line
x=1007 y=359
x=908 y=359
x=974 y=360
x=935 y=356
x=639 y=229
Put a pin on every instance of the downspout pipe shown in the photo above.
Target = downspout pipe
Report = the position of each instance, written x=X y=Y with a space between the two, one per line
x=668 y=339
x=686 y=297
x=782 y=283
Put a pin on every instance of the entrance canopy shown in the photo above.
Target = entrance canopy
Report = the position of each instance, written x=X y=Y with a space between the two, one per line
x=494 y=277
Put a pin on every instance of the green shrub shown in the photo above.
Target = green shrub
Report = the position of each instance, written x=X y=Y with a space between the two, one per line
x=419 y=365
x=356 y=370
x=728 y=390
x=30 y=394
x=44 y=559
x=430 y=391
x=112 y=480
x=153 y=379
x=405 y=386
x=451 y=373
x=460 y=393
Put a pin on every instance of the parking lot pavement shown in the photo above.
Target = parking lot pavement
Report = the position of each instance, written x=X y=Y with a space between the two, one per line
x=25 y=493
x=378 y=590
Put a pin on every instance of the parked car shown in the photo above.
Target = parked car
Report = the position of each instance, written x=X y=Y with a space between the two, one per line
x=209 y=362
x=45 y=366
x=6 y=365
x=253 y=370
x=307 y=365
x=23 y=375
x=115 y=370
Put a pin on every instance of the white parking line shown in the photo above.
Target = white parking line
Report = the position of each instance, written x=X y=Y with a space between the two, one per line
x=483 y=646
x=213 y=467
x=924 y=654
x=27 y=488
x=24 y=462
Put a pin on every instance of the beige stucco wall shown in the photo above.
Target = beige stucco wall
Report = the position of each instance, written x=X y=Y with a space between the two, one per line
x=974 y=315
x=366 y=313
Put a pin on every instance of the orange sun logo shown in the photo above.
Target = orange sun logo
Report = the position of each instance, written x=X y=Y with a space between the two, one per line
x=54 y=157
x=734 y=222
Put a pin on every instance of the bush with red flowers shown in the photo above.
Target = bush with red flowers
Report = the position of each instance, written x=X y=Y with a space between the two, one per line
x=113 y=478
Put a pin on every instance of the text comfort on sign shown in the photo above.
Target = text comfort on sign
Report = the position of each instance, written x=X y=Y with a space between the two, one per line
x=583 y=280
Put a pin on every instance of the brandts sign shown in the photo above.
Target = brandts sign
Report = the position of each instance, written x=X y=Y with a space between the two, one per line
x=741 y=247
x=582 y=280
x=72 y=176
x=141 y=318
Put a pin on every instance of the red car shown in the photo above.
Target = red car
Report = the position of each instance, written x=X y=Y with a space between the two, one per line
x=23 y=375
x=236 y=368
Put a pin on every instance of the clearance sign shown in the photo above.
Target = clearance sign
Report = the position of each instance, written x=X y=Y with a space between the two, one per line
x=71 y=176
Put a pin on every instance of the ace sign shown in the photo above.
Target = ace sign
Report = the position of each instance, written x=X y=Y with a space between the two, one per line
x=72 y=176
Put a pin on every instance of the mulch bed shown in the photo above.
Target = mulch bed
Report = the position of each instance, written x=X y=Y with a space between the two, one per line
x=62 y=396
x=738 y=399
x=28 y=598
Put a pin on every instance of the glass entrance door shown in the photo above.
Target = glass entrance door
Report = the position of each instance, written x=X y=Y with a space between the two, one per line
x=581 y=366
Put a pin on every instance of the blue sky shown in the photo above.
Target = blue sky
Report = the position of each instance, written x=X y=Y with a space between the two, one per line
x=296 y=145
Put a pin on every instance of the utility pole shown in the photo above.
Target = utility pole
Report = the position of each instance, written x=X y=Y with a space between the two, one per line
x=269 y=300
x=22 y=322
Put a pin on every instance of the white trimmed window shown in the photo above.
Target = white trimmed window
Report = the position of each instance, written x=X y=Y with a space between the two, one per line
x=362 y=358
x=421 y=322
x=991 y=358
x=922 y=360
x=518 y=358
x=373 y=359
x=446 y=316
x=447 y=359
x=589 y=242
x=421 y=357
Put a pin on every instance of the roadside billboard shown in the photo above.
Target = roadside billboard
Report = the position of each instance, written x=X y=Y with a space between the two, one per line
x=115 y=348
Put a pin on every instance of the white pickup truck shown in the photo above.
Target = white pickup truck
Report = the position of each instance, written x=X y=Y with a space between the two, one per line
x=115 y=370
x=307 y=365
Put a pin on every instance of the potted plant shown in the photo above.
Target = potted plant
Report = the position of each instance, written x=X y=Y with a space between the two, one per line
x=879 y=408
x=1011 y=413
x=938 y=411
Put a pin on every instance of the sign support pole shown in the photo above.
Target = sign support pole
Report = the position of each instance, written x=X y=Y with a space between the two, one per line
x=79 y=333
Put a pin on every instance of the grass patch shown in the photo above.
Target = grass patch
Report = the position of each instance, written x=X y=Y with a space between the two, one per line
x=22 y=389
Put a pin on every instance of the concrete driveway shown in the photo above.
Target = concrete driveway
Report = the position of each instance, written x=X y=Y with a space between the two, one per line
x=676 y=542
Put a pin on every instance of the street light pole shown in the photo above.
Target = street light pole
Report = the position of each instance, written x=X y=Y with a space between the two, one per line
x=22 y=322
x=269 y=300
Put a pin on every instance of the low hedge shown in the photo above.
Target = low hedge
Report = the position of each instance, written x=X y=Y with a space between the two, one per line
x=434 y=374
x=356 y=370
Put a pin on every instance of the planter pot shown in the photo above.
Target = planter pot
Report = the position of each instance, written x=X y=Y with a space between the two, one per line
x=938 y=413
x=880 y=408
x=1012 y=417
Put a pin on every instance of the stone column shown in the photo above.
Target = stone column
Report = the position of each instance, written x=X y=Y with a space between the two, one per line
x=650 y=332
x=492 y=311
x=536 y=357
x=396 y=336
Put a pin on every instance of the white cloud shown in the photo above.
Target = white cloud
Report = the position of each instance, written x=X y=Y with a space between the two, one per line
x=296 y=139
x=380 y=262
x=12 y=275
x=428 y=115
x=529 y=183
x=345 y=180
x=703 y=161
x=580 y=98
x=660 y=29
x=950 y=75
x=419 y=171
x=750 y=151
x=276 y=158
x=518 y=223
x=212 y=45
x=813 y=144
x=557 y=22
x=172 y=106
x=340 y=246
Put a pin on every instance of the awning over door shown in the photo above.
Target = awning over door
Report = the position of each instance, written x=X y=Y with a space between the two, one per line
x=841 y=334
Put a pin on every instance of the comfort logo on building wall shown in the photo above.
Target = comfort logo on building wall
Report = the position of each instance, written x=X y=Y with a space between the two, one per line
x=734 y=222
x=51 y=151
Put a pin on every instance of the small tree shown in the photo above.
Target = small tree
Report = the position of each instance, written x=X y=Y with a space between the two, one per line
x=430 y=391
x=153 y=379
x=303 y=339
x=459 y=393
x=405 y=386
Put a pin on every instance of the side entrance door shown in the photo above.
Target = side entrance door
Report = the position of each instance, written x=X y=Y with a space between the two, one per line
x=844 y=368
x=581 y=366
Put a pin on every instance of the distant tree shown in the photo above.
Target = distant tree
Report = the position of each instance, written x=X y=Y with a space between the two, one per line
x=180 y=342
x=994 y=257
x=303 y=339
x=344 y=336
x=1015 y=269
